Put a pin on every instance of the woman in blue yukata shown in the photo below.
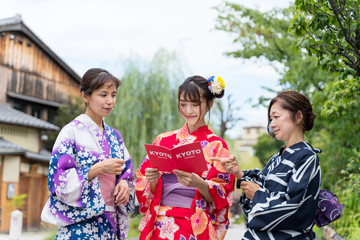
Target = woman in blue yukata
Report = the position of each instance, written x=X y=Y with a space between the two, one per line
x=280 y=202
x=91 y=180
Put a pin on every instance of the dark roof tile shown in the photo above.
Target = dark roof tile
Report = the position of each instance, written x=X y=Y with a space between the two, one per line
x=10 y=115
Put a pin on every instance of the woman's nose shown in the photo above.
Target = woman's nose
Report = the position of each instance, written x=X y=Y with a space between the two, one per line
x=272 y=123
x=188 y=109
x=110 y=99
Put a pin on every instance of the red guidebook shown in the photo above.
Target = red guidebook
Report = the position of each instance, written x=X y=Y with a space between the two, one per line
x=188 y=157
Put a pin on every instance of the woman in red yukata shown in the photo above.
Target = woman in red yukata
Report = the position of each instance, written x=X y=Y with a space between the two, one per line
x=183 y=205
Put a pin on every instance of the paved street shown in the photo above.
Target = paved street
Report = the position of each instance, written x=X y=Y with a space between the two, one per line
x=236 y=231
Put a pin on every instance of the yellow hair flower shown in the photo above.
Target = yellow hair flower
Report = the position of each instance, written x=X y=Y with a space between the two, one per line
x=216 y=86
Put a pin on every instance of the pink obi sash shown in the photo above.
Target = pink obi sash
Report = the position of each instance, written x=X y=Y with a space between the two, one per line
x=175 y=194
x=107 y=186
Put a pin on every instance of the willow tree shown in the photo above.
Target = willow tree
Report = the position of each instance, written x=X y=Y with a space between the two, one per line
x=146 y=103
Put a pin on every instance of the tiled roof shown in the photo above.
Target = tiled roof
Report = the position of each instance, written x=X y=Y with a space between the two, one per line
x=12 y=116
x=43 y=155
x=10 y=148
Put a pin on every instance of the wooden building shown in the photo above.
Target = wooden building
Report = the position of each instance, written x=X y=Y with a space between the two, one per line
x=32 y=77
x=34 y=83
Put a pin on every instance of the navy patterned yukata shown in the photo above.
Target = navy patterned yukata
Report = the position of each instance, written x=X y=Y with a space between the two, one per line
x=285 y=206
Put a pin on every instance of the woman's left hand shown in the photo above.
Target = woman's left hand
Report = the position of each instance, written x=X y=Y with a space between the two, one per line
x=189 y=179
x=249 y=188
x=121 y=192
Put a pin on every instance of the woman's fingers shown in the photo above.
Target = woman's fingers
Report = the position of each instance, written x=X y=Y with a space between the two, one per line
x=121 y=192
x=152 y=174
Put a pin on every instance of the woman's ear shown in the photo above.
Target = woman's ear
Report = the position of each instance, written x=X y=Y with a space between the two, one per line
x=298 y=117
x=85 y=97
x=211 y=104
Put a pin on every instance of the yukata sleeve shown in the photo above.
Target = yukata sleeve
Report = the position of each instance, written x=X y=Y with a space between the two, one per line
x=66 y=182
x=128 y=175
x=220 y=183
x=142 y=186
x=124 y=211
x=292 y=209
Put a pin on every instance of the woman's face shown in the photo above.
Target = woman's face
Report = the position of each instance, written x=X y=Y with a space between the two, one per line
x=101 y=101
x=193 y=112
x=282 y=122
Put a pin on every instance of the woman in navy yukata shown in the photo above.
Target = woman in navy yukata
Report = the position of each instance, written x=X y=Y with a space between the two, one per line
x=91 y=180
x=280 y=202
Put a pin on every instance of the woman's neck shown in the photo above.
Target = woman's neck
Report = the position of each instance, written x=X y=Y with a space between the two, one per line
x=296 y=137
x=193 y=128
x=97 y=119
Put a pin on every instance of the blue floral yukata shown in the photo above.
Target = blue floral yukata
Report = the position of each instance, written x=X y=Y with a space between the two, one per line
x=76 y=204
x=285 y=206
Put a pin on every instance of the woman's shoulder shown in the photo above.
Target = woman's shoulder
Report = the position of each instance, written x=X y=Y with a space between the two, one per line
x=302 y=150
x=216 y=141
x=69 y=127
x=165 y=137
x=305 y=148
x=73 y=126
x=212 y=137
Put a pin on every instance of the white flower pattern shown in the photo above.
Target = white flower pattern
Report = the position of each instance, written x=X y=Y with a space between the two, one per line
x=75 y=202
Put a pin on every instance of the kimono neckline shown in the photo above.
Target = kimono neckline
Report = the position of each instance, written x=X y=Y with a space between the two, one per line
x=297 y=145
x=87 y=119
x=205 y=128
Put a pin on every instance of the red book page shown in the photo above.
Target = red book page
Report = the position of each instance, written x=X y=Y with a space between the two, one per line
x=160 y=157
x=189 y=157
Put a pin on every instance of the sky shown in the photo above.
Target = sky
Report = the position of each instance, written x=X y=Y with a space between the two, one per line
x=94 y=33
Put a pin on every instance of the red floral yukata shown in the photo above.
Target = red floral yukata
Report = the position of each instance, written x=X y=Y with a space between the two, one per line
x=203 y=220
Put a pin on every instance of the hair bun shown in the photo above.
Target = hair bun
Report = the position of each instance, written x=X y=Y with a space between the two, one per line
x=310 y=121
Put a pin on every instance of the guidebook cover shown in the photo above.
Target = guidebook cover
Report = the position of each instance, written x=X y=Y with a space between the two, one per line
x=188 y=157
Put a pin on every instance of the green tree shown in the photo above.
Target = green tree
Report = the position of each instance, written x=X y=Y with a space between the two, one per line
x=146 y=103
x=330 y=30
x=266 y=147
x=265 y=36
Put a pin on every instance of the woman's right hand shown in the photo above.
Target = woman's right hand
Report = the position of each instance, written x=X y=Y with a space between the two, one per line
x=112 y=166
x=230 y=165
x=152 y=175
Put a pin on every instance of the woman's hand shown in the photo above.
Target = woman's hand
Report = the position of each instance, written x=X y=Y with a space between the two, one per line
x=189 y=179
x=152 y=175
x=121 y=193
x=230 y=165
x=194 y=180
x=112 y=166
x=249 y=188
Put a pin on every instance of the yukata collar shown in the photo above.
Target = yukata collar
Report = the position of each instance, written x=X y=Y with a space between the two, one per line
x=89 y=122
x=185 y=129
x=291 y=148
